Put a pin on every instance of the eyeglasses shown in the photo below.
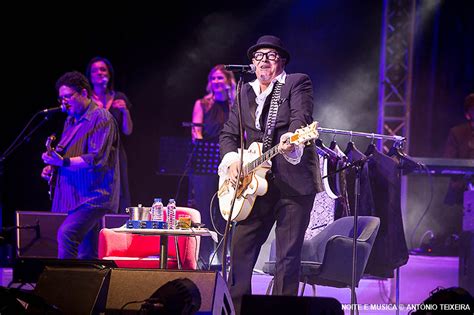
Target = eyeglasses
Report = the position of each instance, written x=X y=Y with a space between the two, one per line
x=271 y=55
x=66 y=97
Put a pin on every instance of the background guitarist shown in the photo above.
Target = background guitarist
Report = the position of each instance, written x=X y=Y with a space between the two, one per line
x=87 y=168
x=293 y=180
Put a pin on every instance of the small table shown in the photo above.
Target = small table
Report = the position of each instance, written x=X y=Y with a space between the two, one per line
x=164 y=233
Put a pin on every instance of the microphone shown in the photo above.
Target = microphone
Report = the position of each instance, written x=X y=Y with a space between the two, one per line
x=105 y=81
x=241 y=68
x=61 y=108
x=407 y=163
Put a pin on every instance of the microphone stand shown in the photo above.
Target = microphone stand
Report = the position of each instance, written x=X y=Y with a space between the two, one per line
x=354 y=164
x=406 y=166
x=229 y=218
x=357 y=165
x=17 y=142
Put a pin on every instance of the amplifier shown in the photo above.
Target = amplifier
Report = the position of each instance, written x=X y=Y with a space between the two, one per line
x=36 y=233
x=37 y=230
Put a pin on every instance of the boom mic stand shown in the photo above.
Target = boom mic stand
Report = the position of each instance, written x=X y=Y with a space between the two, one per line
x=18 y=140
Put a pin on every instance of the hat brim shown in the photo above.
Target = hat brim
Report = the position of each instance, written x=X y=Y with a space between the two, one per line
x=283 y=52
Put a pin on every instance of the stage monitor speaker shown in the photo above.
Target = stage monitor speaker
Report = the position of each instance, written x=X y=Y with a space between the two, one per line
x=301 y=305
x=36 y=233
x=129 y=285
x=28 y=270
x=74 y=290
x=111 y=221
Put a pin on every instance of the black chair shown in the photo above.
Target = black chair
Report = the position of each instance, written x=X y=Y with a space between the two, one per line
x=327 y=258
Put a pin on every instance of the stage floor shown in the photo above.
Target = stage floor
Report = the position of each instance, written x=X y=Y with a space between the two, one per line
x=418 y=278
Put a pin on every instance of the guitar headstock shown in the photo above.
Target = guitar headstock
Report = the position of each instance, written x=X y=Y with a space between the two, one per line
x=305 y=134
x=49 y=142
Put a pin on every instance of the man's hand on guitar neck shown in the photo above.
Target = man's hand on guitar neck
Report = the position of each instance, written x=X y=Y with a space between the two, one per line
x=52 y=158
x=285 y=147
x=290 y=151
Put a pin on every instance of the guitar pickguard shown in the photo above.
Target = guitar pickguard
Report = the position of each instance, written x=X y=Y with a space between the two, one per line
x=252 y=185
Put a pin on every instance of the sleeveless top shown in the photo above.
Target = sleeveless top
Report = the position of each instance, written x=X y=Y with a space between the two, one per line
x=214 y=118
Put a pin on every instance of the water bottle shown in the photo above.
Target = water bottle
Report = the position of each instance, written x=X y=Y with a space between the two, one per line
x=171 y=215
x=157 y=210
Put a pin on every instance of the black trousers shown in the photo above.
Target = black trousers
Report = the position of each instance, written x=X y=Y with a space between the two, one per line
x=292 y=218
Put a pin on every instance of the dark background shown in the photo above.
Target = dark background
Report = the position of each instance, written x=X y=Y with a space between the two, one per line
x=162 y=57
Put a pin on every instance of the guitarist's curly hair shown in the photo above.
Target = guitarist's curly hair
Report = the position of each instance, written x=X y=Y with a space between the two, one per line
x=75 y=80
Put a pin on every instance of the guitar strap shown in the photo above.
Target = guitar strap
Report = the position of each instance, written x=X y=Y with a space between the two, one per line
x=271 y=118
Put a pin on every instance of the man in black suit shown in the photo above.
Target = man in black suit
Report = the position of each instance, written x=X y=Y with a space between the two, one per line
x=294 y=178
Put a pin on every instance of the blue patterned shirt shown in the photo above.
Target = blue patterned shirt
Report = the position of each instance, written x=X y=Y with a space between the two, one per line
x=95 y=138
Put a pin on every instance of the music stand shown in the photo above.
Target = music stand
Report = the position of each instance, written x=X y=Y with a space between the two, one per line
x=205 y=160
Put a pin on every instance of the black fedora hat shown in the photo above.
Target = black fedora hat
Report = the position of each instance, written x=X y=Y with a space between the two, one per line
x=269 y=41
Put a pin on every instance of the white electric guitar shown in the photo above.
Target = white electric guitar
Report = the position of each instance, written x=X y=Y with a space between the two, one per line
x=253 y=182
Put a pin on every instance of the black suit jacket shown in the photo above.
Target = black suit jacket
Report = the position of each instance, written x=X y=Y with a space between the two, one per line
x=390 y=249
x=295 y=111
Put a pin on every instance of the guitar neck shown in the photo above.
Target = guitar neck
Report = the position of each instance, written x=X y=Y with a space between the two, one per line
x=250 y=167
x=300 y=136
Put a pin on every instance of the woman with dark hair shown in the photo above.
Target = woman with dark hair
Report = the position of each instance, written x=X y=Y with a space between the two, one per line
x=101 y=77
